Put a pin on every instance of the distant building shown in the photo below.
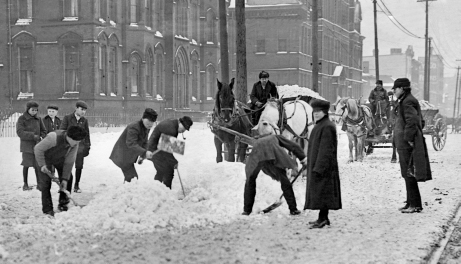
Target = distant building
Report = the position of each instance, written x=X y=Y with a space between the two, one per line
x=279 y=35
x=437 y=80
x=114 y=54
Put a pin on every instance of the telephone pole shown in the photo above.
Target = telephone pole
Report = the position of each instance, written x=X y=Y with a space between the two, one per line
x=426 y=52
x=456 y=93
x=376 y=42
x=315 y=46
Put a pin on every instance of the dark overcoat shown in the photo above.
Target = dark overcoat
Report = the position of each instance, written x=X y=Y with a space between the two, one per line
x=26 y=128
x=168 y=127
x=408 y=128
x=50 y=125
x=323 y=186
x=261 y=95
x=71 y=120
x=378 y=95
x=131 y=144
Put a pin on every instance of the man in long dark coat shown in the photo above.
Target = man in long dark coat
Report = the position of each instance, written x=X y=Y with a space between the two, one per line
x=165 y=162
x=269 y=155
x=133 y=143
x=323 y=190
x=410 y=143
x=262 y=90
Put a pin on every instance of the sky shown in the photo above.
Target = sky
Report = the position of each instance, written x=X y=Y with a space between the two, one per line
x=444 y=28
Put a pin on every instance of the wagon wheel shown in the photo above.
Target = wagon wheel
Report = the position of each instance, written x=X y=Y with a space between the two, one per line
x=439 y=136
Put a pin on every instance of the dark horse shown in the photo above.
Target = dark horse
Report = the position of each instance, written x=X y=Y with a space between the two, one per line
x=229 y=113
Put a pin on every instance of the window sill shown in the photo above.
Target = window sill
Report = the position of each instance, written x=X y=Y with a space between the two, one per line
x=22 y=96
x=260 y=53
x=23 y=21
x=134 y=25
x=282 y=52
x=67 y=19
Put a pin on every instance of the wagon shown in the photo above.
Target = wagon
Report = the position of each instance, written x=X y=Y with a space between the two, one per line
x=435 y=126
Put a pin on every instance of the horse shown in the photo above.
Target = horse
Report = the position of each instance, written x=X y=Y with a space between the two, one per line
x=357 y=120
x=229 y=113
x=292 y=119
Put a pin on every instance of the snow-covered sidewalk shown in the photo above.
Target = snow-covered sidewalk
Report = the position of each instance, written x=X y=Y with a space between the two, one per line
x=145 y=222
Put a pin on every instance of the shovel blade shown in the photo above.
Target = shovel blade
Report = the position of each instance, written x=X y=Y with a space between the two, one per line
x=272 y=206
x=171 y=144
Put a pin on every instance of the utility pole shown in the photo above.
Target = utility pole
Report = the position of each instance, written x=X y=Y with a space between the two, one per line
x=429 y=54
x=315 y=46
x=224 y=50
x=426 y=52
x=456 y=94
x=376 y=42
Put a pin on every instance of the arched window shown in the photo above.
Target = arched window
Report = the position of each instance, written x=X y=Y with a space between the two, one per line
x=195 y=20
x=181 y=68
x=211 y=26
x=103 y=9
x=181 y=18
x=112 y=86
x=135 y=11
x=150 y=89
x=195 y=63
x=159 y=15
x=71 y=45
x=70 y=8
x=24 y=49
x=134 y=74
x=159 y=72
x=210 y=81
x=102 y=65
x=149 y=14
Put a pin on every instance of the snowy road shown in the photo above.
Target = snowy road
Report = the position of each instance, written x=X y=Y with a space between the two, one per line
x=145 y=222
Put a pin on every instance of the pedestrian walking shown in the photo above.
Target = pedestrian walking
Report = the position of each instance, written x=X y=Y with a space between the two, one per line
x=77 y=118
x=58 y=150
x=262 y=90
x=51 y=121
x=323 y=190
x=165 y=162
x=133 y=144
x=411 y=145
x=269 y=155
x=30 y=129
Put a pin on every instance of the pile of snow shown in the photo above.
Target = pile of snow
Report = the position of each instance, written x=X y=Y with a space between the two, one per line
x=295 y=90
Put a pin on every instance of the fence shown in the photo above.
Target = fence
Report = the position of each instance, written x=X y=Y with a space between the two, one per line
x=103 y=119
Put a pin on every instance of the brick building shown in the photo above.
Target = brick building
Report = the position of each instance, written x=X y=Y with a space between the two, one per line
x=279 y=34
x=114 y=54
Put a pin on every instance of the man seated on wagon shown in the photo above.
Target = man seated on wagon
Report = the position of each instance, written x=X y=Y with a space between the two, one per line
x=379 y=101
x=262 y=90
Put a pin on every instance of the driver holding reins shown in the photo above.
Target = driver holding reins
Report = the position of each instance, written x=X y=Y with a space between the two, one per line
x=262 y=90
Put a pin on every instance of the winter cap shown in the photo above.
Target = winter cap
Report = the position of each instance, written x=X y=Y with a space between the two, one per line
x=76 y=133
x=186 y=122
x=320 y=105
x=150 y=114
x=55 y=107
x=263 y=74
x=402 y=83
x=379 y=82
x=81 y=104
x=31 y=104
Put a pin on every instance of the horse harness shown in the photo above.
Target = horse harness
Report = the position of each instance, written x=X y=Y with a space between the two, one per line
x=282 y=124
x=360 y=121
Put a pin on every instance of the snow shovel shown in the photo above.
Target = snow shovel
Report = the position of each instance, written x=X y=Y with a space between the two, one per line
x=168 y=144
x=279 y=202
x=56 y=180
x=179 y=176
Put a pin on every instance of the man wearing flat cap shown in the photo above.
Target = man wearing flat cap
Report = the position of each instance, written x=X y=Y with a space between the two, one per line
x=411 y=145
x=51 y=121
x=77 y=118
x=165 y=162
x=379 y=101
x=262 y=90
x=133 y=144
x=323 y=190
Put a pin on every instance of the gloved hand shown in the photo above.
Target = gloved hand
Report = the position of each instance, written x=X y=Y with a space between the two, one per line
x=63 y=185
x=86 y=151
x=259 y=104
x=304 y=161
x=45 y=170
x=176 y=165
x=37 y=138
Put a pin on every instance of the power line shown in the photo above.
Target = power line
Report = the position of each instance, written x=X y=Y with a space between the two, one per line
x=402 y=28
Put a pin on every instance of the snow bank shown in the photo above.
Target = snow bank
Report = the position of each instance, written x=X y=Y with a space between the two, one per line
x=295 y=90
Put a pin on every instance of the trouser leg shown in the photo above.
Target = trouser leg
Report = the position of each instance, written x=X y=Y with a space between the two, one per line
x=165 y=172
x=45 y=188
x=78 y=175
x=25 y=173
x=412 y=189
x=323 y=214
x=250 y=190
x=129 y=172
x=287 y=189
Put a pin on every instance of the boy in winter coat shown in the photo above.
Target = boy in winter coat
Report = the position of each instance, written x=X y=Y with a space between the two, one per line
x=77 y=118
x=51 y=121
x=30 y=129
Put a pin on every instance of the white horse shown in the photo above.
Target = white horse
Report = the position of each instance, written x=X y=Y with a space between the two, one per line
x=296 y=126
